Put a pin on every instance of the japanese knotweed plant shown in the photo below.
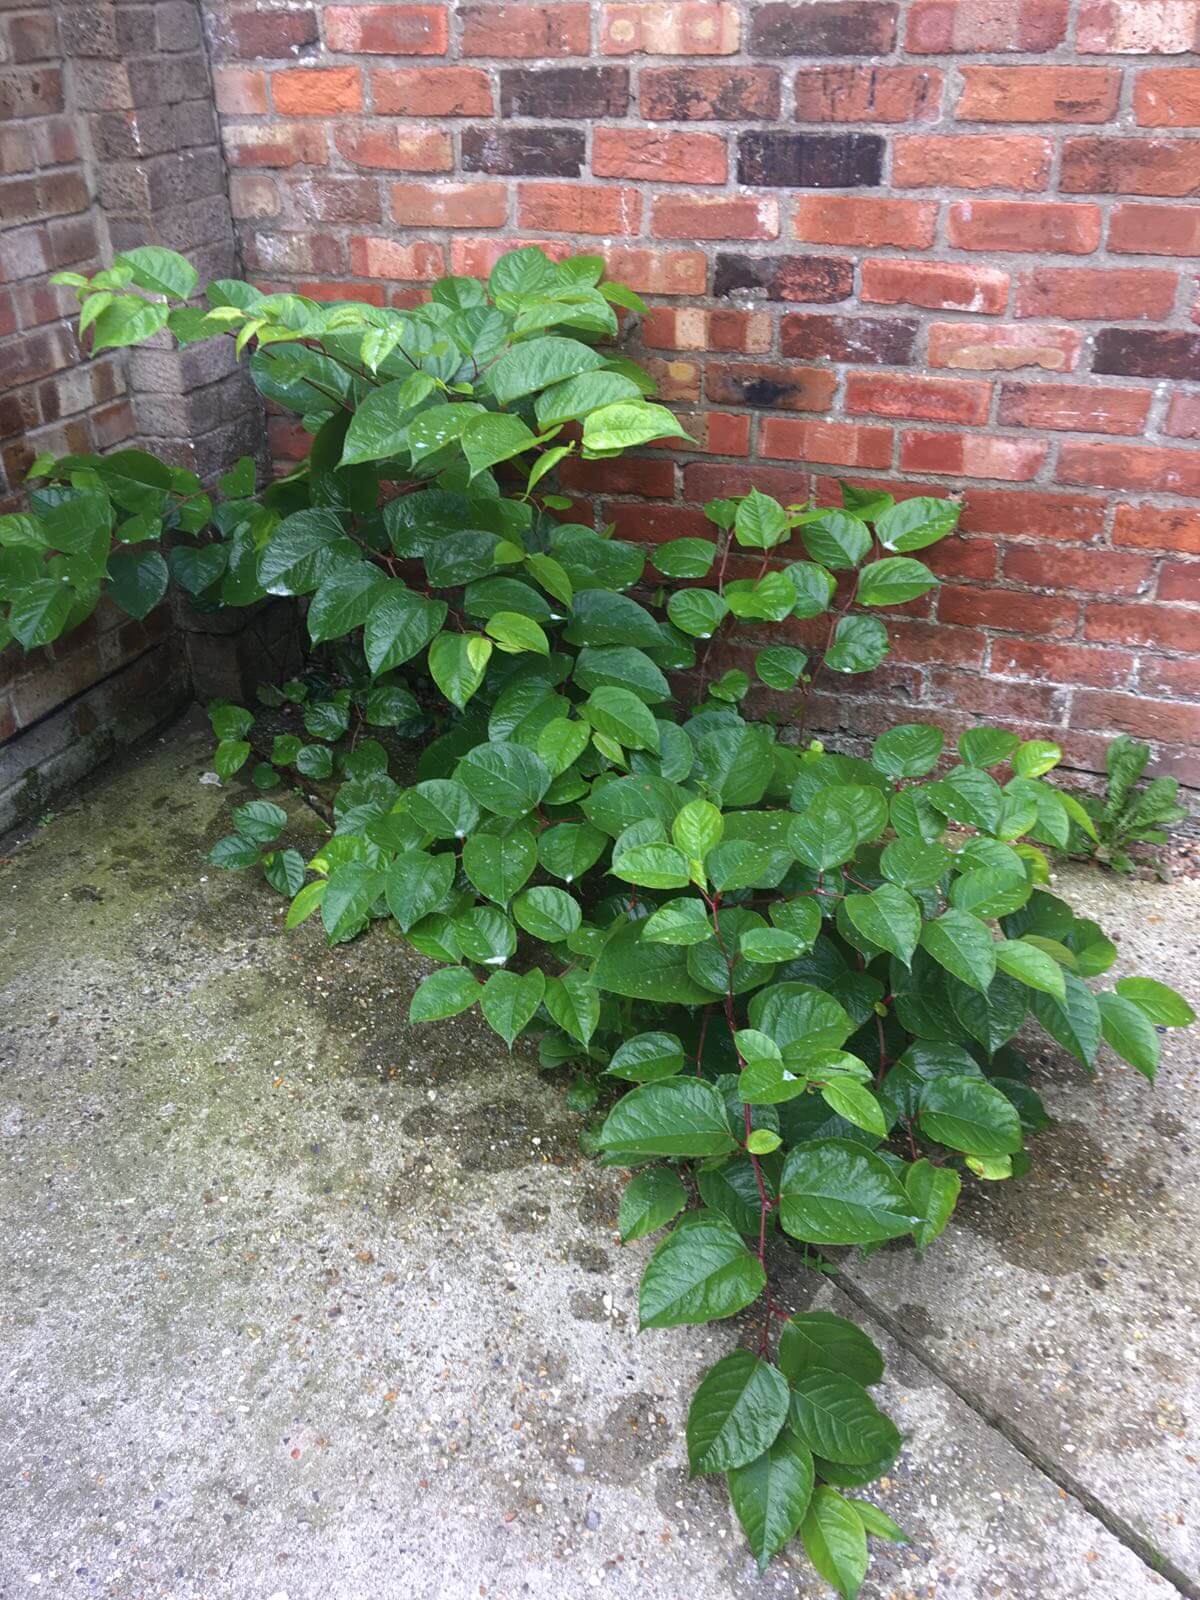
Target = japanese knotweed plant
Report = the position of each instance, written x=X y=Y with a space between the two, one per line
x=790 y=984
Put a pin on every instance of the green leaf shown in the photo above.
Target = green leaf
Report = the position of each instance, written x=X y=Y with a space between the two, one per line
x=969 y=1114
x=698 y=1273
x=352 y=890
x=771 y=1495
x=859 y=645
x=990 y=892
x=1030 y=966
x=969 y=795
x=137 y=580
x=651 y=1201
x=835 y=1192
x=538 y=363
x=893 y=581
x=494 y=437
x=344 y=601
x=569 y=849
x=509 y=1001
x=443 y=808
x=627 y=423
x=416 y=884
x=735 y=1414
x=159 y=271
x=284 y=871
x=780 y=666
x=575 y=397
x=769 y=945
x=760 y=522
x=856 y=1105
x=646 y=1058
x=1159 y=1002
x=697 y=828
x=260 y=821
x=398 y=626
x=888 y=917
x=835 y=1540
x=909 y=750
x=379 y=426
x=767 y=599
x=457 y=663
x=550 y=915
x=229 y=757
x=652 y=866
x=127 y=321
x=234 y=852
x=837 y=1419
x=498 y=863
x=836 y=539
x=306 y=902
x=914 y=863
x=505 y=778
x=196 y=568
x=1129 y=1031
x=916 y=523
x=444 y=994
x=621 y=715
x=574 y=1003
x=684 y=558
x=878 y=1522
x=698 y=612
x=560 y=744
x=822 y=1339
x=963 y=945
x=826 y=835
x=933 y=1193
x=515 y=633
x=646 y=971
x=1074 y=1021
x=39 y=611
x=674 y=1117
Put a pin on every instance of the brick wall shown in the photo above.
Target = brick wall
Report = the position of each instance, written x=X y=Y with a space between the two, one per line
x=108 y=139
x=946 y=245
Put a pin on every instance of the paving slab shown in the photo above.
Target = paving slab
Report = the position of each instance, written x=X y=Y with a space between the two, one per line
x=1067 y=1306
x=300 y=1302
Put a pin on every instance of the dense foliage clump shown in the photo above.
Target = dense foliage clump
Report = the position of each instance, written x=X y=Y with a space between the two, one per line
x=789 y=984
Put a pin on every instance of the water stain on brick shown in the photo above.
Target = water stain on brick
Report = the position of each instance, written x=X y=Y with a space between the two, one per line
x=810 y=160
x=817 y=279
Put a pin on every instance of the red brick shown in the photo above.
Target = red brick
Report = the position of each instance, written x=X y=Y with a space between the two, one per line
x=1127 y=466
x=1180 y=580
x=578 y=208
x=1154 y=230
x=317 y=91
x=990 y=347
x=972 y=455
x=659 y=271
x=656 y=524
x=714 y=217
x=1133 y=713
x=1138 y=27
x=253 y=197
x=1033 y=514
x=841 y=443
x=372 y=257
x=1183 y=417
x=691 y=328
x=707 y=94
x=475 y=258
x=275 y=144
x=240 y=91
x=937 y=285
x=1163 y=627
x=525 y=32
x=1158 y=528
x=673 y=28
x=1167 y=97
x=1061 y=663
x=658 y=156
x=1038 y=94
x=1128 y=166
x=1079 y=408
x=919 y=643
x=388 y=30
x=843 y=93
x=874 y=341
x=717 y=433
x=1103 y=572
x=627 y=475
x=395 y=149
x=450 y=205
x=277 y=34
x=929 y=399
x=1029 y=709
x=961 y=26
x=431 y=92
x=1024 y=225
x=1164 y=675
x=971 y=161
x=850 y=219
x=782 y=386
x=1010 y=610
x=1118 y=294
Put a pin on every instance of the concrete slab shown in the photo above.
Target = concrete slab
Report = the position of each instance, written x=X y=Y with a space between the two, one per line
x=300 y=1302
x=1067 y=1306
